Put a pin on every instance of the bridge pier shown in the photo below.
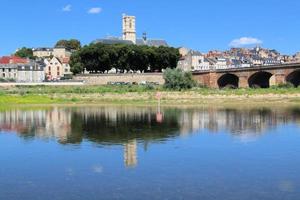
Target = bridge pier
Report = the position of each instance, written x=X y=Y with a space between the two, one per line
x=243 y=81
x=279 y=78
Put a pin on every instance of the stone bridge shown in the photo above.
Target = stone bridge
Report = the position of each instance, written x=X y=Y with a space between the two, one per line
x=255 y=77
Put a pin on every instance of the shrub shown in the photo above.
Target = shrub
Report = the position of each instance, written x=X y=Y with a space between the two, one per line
x=176 y=79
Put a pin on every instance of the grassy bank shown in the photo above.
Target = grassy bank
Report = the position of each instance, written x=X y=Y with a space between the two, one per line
x=141 y=95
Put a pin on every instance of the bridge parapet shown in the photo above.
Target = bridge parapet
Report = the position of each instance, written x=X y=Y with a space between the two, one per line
x=274 y=75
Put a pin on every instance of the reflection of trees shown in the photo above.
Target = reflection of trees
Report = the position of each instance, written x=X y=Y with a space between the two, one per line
x=118 y=126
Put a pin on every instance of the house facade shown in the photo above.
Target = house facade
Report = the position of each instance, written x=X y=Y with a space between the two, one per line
x=56 y=69
x=32 y=72
x=8 y=71
x=59 y=52
x=193 y=61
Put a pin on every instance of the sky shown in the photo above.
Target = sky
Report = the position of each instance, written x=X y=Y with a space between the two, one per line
x=196 y=24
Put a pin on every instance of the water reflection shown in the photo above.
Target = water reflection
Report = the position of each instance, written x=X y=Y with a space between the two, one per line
x=130 y=126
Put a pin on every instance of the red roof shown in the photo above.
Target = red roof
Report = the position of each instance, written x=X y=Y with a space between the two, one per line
x=12 y=60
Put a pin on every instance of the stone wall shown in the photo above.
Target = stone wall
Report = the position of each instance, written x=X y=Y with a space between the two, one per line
x=103 y=79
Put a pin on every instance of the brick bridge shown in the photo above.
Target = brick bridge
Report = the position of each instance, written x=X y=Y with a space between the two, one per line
x=259 y=76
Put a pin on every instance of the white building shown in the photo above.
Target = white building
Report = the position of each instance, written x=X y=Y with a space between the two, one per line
x=31 y=73
x=129 y=31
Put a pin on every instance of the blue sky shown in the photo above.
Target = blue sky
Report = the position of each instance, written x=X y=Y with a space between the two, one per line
x=201 y=25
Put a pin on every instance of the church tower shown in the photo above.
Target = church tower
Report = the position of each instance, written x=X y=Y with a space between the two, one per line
x=129 y=32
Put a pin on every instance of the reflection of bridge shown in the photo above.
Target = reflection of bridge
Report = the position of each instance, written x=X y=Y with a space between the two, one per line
x=259 y=76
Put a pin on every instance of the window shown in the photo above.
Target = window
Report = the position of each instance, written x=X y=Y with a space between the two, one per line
x=57 y=68
x=49 y=73
x=58 y=74
x=3 y=75
x=49 y=68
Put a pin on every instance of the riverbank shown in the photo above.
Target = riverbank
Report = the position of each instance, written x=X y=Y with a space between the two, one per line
x=143 y=95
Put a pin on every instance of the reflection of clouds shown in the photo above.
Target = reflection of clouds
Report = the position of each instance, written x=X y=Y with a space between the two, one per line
x=246 y=138
x=70 y=172
x=98 y=169
x=286 y=186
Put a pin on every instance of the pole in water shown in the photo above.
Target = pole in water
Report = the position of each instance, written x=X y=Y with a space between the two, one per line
x=159 y=116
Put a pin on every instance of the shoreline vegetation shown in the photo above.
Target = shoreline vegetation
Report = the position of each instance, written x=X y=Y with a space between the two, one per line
x=144 y=95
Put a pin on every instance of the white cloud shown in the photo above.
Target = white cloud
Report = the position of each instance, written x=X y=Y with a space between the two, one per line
x=245 y=41
x=67 y=8
x=95 y=10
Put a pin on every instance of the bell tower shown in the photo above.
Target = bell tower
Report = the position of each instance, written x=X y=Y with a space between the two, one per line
x=129 y=31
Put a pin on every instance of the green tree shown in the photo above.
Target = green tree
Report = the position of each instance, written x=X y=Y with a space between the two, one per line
x=177 y=79
x=25 y=53
x=71 y=44
x=101 y=58
x=75 y=64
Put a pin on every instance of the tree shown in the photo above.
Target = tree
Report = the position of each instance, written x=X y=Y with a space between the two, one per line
x=177 y=79
x=75 y=64
x=25 y=53
x=100 y=57
x=71 y=44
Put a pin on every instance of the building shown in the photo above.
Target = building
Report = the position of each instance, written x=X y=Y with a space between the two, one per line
x=57 y=68
x=60 y=52
x=129 y=31
x=192 y=61
x=32 y=72
x=42 y=52
x=8 y=72
x=129 y=35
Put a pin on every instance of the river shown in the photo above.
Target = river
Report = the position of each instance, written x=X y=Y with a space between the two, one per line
x=125 y=152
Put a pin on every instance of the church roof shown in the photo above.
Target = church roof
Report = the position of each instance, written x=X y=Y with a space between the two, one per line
x=151 y=42
x=112 y=41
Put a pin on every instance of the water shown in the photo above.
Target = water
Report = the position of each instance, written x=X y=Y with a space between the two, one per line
x=135 y=153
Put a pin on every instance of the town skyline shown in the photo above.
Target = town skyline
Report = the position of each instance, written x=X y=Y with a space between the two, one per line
x=199 y=30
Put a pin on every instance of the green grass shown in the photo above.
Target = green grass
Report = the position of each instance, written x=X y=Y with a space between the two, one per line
x=142 y=94
x=46 y=90
x=22 y=90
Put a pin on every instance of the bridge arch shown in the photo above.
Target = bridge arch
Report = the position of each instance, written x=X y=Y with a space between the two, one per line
x=260 y=79
x=228 y=81
x=294 y=78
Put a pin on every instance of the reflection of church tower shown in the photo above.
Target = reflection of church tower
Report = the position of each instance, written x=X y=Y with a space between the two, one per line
x=130 y=153
x=129 y=32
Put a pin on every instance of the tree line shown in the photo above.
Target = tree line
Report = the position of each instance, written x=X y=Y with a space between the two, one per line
x=101 y=58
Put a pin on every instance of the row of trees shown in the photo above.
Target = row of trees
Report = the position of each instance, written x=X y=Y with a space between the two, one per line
x=100 y=58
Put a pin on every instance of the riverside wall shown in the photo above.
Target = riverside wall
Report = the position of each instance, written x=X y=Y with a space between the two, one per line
x=103 y=79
